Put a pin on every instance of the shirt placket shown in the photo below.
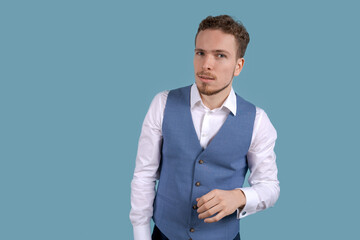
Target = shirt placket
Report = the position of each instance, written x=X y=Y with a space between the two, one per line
x=204 y=132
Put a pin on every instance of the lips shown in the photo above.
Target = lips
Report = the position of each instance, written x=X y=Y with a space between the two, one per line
x=206 y=77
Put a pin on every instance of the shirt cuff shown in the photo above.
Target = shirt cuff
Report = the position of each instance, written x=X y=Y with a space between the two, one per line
x=142 y=232
x=252 y=201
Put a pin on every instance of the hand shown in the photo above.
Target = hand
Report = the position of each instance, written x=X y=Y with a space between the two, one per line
x=222 y=202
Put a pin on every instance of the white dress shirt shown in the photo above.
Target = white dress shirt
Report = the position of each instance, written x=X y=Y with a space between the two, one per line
x=264 y=187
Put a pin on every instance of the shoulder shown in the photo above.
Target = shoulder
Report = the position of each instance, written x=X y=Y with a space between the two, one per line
x=182 y=91
x=263 y=128
x=260 y=112
x=160 y=98
x=261 y=117
x=155 y=113
x=243 y=106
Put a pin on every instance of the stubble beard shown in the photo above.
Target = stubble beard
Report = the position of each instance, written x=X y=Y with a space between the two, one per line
x=208 y=92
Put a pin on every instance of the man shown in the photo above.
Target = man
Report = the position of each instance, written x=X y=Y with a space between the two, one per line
x=199 y=142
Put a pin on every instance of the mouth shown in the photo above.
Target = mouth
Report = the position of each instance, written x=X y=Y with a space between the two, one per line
x=206 y=78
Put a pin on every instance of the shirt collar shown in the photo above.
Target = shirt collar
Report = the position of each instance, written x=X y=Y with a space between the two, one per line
x=230 y=102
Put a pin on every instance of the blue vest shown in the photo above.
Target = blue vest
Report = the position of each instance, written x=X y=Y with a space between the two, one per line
x=183 y=177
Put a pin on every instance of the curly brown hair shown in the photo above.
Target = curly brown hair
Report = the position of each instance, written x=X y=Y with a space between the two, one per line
x=228 y=25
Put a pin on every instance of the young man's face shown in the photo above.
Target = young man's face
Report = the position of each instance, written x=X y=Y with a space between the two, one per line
x=215 y=61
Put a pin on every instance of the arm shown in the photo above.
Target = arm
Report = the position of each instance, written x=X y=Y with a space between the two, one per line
x=146 y=169
x=264 y=186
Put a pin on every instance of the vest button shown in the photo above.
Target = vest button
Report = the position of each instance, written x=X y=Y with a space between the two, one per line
x=194 y=207
x=197 y=184
x=201 y=161
x=192 y=230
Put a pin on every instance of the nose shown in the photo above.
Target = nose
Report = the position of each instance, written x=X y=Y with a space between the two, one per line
x=208 y=63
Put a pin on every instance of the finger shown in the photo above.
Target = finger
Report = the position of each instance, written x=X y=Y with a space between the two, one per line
x=208 y=205
x=206 y=198
x=216 y=218
x=210 y=212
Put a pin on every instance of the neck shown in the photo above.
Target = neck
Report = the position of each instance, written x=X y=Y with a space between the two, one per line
x=216 y=100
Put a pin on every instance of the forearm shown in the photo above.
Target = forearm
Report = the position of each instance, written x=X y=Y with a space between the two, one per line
x=264 y=187
x=143 y=186
x=259 y=197
x=146 y=169
x=143 y=191
x=142 y=198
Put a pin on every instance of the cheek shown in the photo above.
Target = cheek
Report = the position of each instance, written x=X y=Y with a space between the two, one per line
x=231 y=69
x=228 y=71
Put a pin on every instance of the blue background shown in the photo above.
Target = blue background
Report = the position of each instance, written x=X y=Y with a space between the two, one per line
x=77 y=77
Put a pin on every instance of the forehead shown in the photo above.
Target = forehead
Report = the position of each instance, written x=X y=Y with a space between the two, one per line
x=214 y=39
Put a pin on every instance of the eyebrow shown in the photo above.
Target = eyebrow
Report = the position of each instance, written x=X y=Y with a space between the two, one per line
x=214 y=51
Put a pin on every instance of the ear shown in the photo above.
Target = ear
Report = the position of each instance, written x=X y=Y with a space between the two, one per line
x=239 y=65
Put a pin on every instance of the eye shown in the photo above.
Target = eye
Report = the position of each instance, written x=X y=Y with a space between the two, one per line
x=199 y=53
x=221 y=56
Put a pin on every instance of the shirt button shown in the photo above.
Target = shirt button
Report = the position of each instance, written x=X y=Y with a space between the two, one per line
x=201 y=161
x=197 y=184
x=192 y=230
x=194 y=207
x=243 y=213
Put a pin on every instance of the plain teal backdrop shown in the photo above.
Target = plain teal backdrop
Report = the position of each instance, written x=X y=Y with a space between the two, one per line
x=77 y=77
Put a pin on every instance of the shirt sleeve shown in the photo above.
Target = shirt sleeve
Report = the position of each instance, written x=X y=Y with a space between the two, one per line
x=264 y=187
x=146 y=168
